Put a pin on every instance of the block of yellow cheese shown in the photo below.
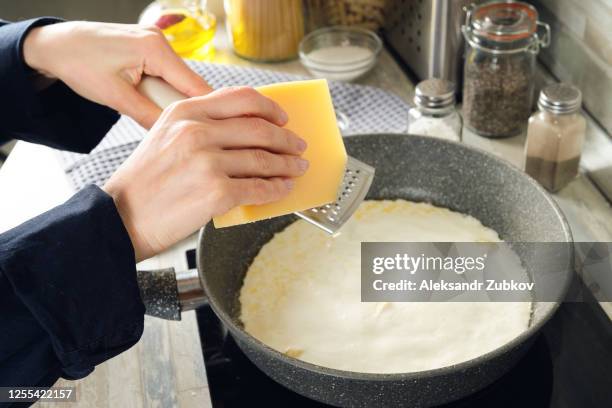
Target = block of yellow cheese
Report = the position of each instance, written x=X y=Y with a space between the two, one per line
x=311 y=116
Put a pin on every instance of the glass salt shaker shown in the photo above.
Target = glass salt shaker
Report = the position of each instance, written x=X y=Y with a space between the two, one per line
x=555 y=136
x=434 y=113
x=502 y=42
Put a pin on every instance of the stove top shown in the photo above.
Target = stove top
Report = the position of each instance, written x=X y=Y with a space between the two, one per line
x=569 y=365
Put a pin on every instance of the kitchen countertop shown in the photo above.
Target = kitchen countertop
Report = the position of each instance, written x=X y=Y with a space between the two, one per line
x=166 y=367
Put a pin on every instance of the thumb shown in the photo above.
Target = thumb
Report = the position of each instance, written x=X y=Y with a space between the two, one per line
x=175 y=71
x=137 y=106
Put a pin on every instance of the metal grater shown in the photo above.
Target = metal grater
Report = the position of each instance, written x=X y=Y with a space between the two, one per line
x=358 y=178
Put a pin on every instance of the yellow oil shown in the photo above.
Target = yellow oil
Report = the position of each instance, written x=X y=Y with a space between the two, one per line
x=192 y=36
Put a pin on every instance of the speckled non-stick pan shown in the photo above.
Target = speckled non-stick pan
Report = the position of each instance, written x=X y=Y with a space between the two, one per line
x=415 y=168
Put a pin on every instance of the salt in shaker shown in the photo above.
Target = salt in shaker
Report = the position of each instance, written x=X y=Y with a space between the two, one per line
x=434 y=113
x=555 y=136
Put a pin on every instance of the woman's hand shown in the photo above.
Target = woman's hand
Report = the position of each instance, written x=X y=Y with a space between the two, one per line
x=104 y=62
x=204 y=156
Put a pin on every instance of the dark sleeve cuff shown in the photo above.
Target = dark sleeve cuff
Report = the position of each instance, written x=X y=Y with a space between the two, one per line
x=15 y=75
x=73 y=267
x=57 y=116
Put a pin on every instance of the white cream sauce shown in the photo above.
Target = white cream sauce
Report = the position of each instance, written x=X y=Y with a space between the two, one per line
x=301 y=296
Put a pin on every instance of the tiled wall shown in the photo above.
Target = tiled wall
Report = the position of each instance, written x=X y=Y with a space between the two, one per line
x=581 y=50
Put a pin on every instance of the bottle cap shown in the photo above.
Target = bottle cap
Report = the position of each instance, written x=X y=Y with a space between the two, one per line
x=560 y=98
x=435 y=93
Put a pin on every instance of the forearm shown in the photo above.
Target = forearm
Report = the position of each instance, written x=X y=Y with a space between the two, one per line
x=73 y=270
x=39 y=110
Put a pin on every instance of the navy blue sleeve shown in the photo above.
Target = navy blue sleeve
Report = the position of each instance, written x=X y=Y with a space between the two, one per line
x=55 y=116
x=69 y=297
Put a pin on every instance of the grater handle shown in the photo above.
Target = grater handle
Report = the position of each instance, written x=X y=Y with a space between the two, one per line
x=159 y=91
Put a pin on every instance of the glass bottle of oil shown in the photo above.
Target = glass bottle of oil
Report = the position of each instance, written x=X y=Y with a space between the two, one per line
x=187 y=25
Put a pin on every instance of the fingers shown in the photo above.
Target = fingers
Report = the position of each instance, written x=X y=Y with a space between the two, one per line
x=135 y=105
x=257 y=191
x=241 y=133
x=174 y=71
x=164 y=62
x=260 y=163
x=234 y=102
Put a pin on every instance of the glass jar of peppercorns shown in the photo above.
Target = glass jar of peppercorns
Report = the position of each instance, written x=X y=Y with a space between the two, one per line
x=502 y=44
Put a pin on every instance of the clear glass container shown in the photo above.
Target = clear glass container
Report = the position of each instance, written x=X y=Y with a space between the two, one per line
x=434 y=112
x=265 y=30
x=555 y=137
x=186 y=24
x=340 y=53
x=502 y=44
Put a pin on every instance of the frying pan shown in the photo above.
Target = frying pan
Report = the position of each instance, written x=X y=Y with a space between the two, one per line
x=415 y=168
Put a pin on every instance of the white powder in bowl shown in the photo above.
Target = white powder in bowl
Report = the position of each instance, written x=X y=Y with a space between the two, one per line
x=342 y=63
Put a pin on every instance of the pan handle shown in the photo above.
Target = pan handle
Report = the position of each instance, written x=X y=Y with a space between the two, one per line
x=166 y=293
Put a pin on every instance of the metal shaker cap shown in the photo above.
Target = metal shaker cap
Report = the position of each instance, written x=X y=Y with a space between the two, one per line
x=560 y=98
x=435 y=93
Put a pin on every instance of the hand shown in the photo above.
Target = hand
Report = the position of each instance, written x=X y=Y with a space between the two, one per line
x=204 y=156
x=104 y=62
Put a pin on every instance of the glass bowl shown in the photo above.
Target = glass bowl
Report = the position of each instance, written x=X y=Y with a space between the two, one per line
x=340 y=53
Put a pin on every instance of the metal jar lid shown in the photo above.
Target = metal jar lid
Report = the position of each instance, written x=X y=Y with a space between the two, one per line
x=560 y=98
x=435 y=93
